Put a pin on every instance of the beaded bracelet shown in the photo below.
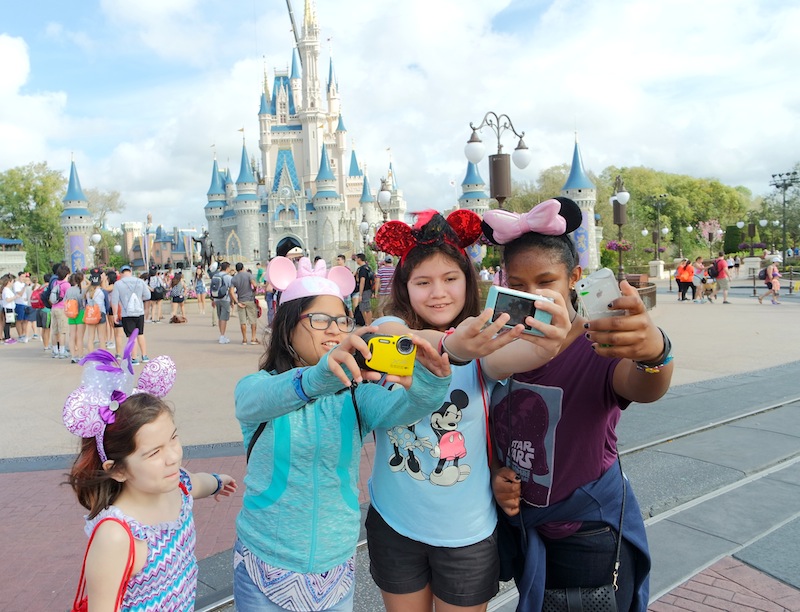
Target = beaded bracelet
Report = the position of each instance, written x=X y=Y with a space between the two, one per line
x=219 y=484
x=661 y=362
x=454 y=359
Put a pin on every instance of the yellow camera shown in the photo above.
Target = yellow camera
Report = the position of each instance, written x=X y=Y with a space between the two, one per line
x=390 y=354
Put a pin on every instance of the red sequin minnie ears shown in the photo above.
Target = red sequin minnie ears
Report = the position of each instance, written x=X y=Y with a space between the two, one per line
x=461 y=229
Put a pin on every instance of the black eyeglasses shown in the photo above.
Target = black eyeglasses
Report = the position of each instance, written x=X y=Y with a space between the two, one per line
x=321 y=322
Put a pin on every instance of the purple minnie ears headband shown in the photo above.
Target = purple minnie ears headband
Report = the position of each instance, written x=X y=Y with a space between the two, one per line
x=106 y=384
x=306 y=279
x=554 y=217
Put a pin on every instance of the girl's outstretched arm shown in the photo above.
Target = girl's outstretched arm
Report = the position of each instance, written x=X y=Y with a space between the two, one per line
x=205 y=484
x=636 y=339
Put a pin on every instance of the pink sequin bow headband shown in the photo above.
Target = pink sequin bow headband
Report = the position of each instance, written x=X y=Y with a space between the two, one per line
x=106 y=384
x=306 y=280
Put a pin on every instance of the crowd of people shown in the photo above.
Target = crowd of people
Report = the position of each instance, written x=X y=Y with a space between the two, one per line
x=496 y=457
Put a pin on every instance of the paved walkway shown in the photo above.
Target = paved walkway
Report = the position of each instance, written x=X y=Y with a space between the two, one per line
x=41 y=528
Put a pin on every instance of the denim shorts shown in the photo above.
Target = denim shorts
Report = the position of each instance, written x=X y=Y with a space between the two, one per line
x=463 y=576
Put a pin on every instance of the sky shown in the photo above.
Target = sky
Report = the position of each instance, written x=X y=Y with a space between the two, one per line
x=142 y=93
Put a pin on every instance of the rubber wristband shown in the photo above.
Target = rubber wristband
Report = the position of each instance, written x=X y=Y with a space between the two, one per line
x=219 y=484
x=454 y=359
x=297 y=383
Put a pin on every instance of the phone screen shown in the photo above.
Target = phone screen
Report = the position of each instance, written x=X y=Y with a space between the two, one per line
x=518 y=308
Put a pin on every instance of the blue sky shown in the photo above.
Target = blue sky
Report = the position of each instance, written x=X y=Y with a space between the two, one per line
x=139 y=91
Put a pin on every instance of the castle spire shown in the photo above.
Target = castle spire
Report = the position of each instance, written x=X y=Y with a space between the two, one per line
x=577 y=178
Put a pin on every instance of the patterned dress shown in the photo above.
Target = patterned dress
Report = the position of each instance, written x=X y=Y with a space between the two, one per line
x=168 y=580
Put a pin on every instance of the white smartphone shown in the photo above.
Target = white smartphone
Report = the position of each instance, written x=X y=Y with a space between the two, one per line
x=519 y=305
x=596 y=292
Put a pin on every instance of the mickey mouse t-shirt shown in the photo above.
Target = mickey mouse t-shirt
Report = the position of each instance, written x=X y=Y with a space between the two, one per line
x=430 y=479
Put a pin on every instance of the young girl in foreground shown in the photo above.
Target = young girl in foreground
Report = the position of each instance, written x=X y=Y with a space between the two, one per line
x=303 y=421
x=566 y=486
x=129 y=476
x=431 y=525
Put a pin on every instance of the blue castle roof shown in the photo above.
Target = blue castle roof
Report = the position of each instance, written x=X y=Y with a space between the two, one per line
x=332 y=77
x=577 y=178
x=217 y=187
x=473 y=177
x=245 y=171
x=281 y=81
x=264 y=107
x=354 y=169
x=285 y=163
x=366 y=194
x=325 y=172
x=340 y=127
x=74 y=191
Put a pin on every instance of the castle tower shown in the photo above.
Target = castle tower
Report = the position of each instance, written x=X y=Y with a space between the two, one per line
x=327 y=204
x=265 y=133
x=215 y=206
x=246 y=207
x=473 y=196
x=580 y=189
x=334 y=102
x=77 y=224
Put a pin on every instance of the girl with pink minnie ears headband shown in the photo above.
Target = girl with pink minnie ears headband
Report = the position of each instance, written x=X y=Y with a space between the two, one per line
x=304 y=416
x=128 y=476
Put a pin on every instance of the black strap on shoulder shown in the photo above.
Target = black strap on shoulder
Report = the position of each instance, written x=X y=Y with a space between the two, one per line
x=254 y=439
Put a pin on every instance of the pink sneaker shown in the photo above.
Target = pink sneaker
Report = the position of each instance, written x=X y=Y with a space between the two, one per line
x=11 y=341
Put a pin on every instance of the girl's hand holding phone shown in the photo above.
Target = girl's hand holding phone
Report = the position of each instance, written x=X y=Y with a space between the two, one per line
x=553 y=333
x=631 y=336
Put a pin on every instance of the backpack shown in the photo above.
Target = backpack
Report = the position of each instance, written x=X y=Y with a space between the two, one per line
x=713 y=270
x=37 y=298
x=369 y=283
x=54 y=293
x=91 y=314
x=72 y=308
x=217 y=288
x=762 y=274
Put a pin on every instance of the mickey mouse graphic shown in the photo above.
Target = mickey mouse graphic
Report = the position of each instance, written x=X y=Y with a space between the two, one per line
x=404 y=437
x=451 y=447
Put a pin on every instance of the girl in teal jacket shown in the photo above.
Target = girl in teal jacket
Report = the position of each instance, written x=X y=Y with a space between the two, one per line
x=303 y=421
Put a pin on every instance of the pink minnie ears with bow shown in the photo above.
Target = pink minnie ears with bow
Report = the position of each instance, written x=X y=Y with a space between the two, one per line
x=306 y=280
x=105 y=385
x=554 y=217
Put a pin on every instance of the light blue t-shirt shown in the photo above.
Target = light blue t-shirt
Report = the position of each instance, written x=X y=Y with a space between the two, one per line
x=430 y=479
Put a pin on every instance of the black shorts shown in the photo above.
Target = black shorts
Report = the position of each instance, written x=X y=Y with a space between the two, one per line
x=131 y=323
x=178 y=299
x=463 y=576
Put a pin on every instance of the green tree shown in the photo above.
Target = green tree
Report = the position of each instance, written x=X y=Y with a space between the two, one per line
x=30 y=206
x=103 y=203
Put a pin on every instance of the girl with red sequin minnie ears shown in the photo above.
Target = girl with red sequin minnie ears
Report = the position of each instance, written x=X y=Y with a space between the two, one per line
x=554 y=428
x=431 y=526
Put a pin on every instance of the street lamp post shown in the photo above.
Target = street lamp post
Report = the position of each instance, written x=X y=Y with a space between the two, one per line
x=618 y=202
x=499 y=165
x=364 y=229
x=658 y=201
x=782 y=181
x=383 y=199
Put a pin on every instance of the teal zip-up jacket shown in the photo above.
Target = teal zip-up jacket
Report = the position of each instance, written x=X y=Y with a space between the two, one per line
x=300 y=510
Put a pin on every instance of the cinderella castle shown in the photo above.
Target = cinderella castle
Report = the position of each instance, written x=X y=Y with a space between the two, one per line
x=306 y=191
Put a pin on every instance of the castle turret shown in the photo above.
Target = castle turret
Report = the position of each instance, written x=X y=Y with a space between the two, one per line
x=216 y=204
x=265 y=119
x=296 y=79
x=473 y=196
x=581 y=189
x=246 y=206
x=334 y=102
x=77 y=224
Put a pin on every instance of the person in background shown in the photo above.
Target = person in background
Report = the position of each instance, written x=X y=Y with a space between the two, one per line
x=18 y=287
x=772 y=282
x=200 y=289
x=59 y=325
x=177 y=293
x=128 y=298
x=723 y=280
x=341 y=260
x=385 y=274
x=223 y=305
x=158 y=291
x=95 y=296
x=245 y=302
x=77 y=328
x=364 y=286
